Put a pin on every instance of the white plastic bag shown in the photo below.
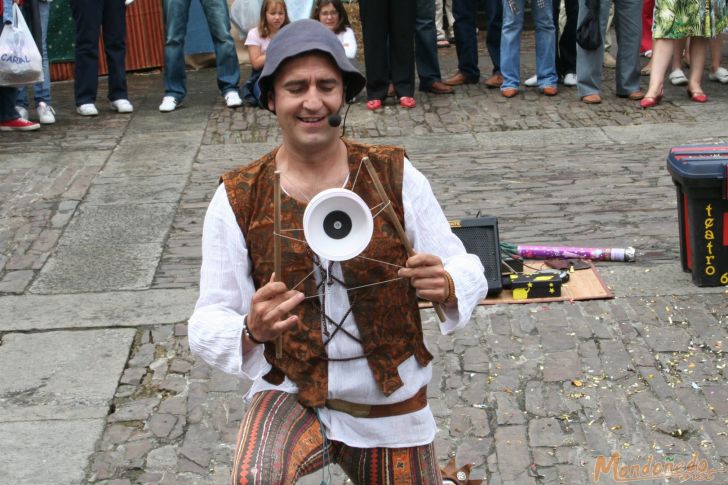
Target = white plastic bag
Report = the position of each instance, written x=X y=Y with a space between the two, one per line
x=245 y=14
x=20 y=60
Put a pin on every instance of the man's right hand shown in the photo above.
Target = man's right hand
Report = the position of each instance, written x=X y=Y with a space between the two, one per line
x=270 y=308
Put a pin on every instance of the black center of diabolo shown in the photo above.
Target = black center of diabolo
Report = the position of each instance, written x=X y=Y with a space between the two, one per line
x=337 y=224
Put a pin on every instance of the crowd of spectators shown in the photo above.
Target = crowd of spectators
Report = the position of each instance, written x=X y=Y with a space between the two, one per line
x=401 y=38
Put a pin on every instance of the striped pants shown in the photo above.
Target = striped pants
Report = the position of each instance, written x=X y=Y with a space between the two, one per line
x=280 y=441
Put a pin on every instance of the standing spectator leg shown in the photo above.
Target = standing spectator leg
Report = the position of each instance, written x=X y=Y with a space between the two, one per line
x=513 y=11
x=648 y=7
x=42 y=89
x=589 y=62
x=439 y=12
x=7 y=104
x=466 y=38
x=176 y=13
x=375 y=24
x=494 y=24
x=401 y=20
x=628 y=25
x=226 y=57
x=114 y=33
x=567 y=42
x=717 y=73
x=428 y=65
x=545 y=43
x=87 y=16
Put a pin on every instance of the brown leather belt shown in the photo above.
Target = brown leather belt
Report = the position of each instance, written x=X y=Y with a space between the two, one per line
x=415 y=403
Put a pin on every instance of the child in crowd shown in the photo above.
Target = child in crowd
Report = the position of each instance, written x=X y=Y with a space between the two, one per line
x=273 y=17
x=332 y=14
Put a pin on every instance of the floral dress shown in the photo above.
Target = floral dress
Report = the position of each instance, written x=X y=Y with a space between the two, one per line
x=678 y=19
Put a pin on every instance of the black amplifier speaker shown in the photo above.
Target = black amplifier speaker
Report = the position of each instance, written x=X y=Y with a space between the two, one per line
x=480 y=237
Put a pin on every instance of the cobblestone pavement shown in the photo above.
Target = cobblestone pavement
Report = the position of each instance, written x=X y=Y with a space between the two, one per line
x=530 y=394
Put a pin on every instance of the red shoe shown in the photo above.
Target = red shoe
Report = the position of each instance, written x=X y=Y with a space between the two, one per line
x=697 y=97
x=18 y=124
x=374 y=104
x=407 y=102
x=650 y=102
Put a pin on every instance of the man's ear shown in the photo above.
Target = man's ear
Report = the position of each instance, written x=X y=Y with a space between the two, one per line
x=271 y=101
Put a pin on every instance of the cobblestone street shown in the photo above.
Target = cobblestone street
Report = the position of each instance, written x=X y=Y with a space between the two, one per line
x=100 y=228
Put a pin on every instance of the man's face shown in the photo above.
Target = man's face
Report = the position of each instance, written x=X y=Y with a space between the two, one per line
x=306 y=90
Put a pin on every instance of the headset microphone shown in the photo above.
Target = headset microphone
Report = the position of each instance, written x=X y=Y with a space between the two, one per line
x=334 y=120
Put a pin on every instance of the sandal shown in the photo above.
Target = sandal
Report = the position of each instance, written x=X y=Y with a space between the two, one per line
x=374 y=104
x=407 y=102
x=645 y=71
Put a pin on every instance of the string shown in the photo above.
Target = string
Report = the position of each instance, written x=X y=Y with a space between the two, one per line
x=315 y=189
x=318 y=295
x=304 y=279
x=382 y=262
x=356 y=177
x=380 y=210
x=355 y=257
x=291 y=238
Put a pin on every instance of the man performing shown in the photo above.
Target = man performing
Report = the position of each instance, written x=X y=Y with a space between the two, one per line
x=351 y=385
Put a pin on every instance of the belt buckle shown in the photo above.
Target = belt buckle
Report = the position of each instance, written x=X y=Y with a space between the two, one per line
x=354 y=409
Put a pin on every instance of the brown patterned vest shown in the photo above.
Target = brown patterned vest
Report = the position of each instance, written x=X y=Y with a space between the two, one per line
x=387 y=315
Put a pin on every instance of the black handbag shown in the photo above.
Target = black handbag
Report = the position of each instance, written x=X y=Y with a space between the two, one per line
x=588 y=34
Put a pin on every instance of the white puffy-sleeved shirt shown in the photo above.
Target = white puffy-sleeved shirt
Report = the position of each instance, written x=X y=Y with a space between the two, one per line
x=226 y=289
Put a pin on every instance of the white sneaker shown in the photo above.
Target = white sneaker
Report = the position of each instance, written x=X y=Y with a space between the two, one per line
x=169 y=103
x=22 y=112
x=609 y=61
x=678 y=78
x=46 y=114
x=570 y=79
x=531 y=81
x=232 y=99
x=88 y=109
x=122 y=106
x=720 y=75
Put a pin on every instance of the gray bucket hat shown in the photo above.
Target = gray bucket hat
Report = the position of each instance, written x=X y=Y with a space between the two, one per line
x=305 y=36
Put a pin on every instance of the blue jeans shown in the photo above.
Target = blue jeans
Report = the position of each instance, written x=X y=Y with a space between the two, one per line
x=41 y=90
x=176 y=13
x=511 y=43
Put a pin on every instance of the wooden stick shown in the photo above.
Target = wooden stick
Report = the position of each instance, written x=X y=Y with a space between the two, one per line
x=277 y=245
x=395 y=222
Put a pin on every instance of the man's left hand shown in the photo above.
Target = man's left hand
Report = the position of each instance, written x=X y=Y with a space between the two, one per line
x=427 y=276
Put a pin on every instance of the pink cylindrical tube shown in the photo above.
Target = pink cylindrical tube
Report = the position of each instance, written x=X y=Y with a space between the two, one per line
x=597 y=254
